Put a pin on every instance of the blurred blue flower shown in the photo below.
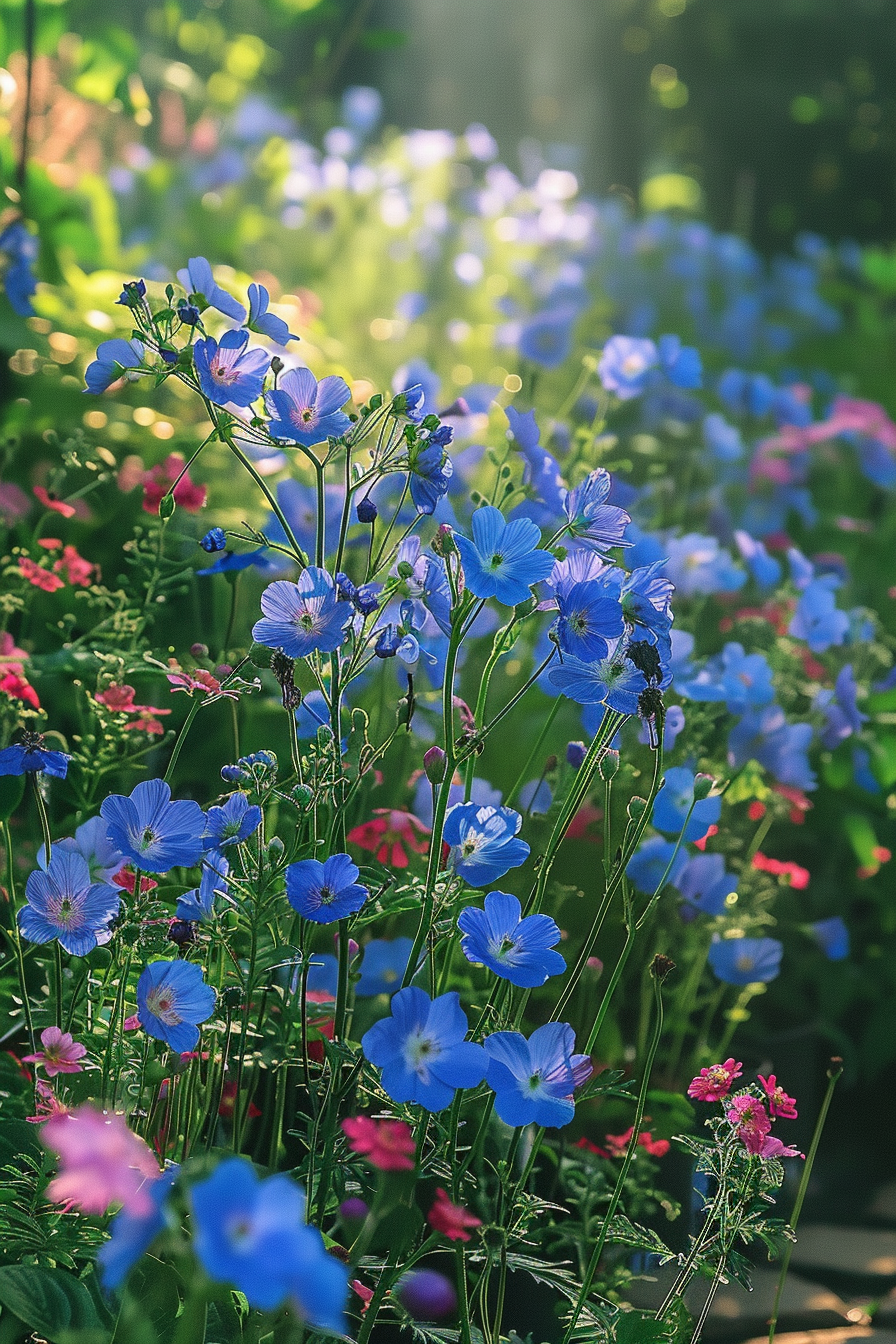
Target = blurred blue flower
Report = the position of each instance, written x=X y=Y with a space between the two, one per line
x=766 y=570
x=63 y=902
x=303 y=410
x=535 y=797
x=625 y=365
x=680 y=363
x=231 y=823
x=228 y=373
x=304 y=616
x=745 y=961
x=546 y=338
x=698 y=564
x=197 y=278
x=832 y=937
x=673 y=724
x=132 y=1234
x=418 y=378
x=421 y=1050
x=113 y=358
x=646 y=866
x=722 y=440
x=503 y=559
x=383 y=966
x=843 y=717
x=516 y=949
x=19 y=281
x=764 y=735
x=263 y=322
x=704 y=885
x=541 y=472
x=483 y=842
x=229 y=562
x=325 y=892
x=152 y=832
x=817 y=618
x=533 y=1081
x=172 y=999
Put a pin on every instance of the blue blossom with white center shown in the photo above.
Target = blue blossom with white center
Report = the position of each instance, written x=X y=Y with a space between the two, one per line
x=745 y=961
x=533 y=1081
x=303 y=410
x=430 y=470
x=625 y=365
x=705 y=885
x=421 y=1050
x=843 y=717
x=231 y=823
x=30 y=757
x=680 y=363
x=613 y=681
x=483 y=841
x=228 y=373
x=647 y=865
x=516 y=949
x=592 y=521
x=250 y=1232
x=383 y=966
x=113 y=359
x=325 y=892
x=263 y=322
x=64 y=903
x=196 y=278
x=698 y=564
x=674 y=801
x=304 y=616
x=765 y=736
x=590 y=616
x=131 y=1234
x=172 y=999
x=832 y=936
x=817 y=619
x=198 y=905
x=503 y=559
x=152 y=832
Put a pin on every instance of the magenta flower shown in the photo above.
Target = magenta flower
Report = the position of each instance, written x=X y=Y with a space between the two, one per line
x=772 y=1147
x=60 y=1054
x=714 y=1083
x=779 y=1104
x=101 y=1162
x=751 y=1122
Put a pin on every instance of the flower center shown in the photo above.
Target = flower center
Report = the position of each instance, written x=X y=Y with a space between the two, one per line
x=147 y=839
x=534 y=1082
x=306 y=622
x=66 y=910
x=327 y=895
x=496 y=561
x=160 y=1003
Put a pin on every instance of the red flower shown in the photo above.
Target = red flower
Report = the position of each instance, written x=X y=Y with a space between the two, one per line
x=41 y=578
x=798 y=801
x=76 y=569
x=365 y=1293
x=798 y=877
x=756 y=810
x=197 y=680
x=388 y=1144
x=119 y=699
x=159 y=480
x=48 y=1104
x=714 y=1083
x=126 y=879
x=50 y=501
x=779 y=1104
x=451 y=1219
x=49 y=543
x=228 y=1102
x=146 y=721
x=618 y=1143
x=12 y=659
x=390 y=835
x=580 y=828
x=750 y=1119
x=701 y=843
x=17 y=688
x=590 y=1147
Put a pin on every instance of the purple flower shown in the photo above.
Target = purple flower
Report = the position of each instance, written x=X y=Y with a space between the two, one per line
x=228 y=373
x=113 y=358
x=516 y=949
x=421 y=1049
x=745 y=961
x=591 y=521
x=231 y=823
x=197 y=278
x=533 y=1081
x=172 y=999
x=303 y=616
x=625 y=365
x=153 y=833
x=325 y=892
x=612 y=681
x=590 y=615
x=265 y=323
x=91 y=842
x=503 y=560
x=840 y=706
x=306 y=411
x=66 y=904
x=546 y=338
x=483 y=842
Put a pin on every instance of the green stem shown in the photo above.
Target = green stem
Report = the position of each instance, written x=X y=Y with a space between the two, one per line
x=523 y=774
x=17 y=939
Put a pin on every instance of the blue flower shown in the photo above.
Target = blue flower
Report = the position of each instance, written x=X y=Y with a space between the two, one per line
x=421 y=1049
x=680 y=363
x=590 y=615
x=745 y=961
x=197 y=278
x=30 y=756
x=673 y=801
x=591 y=521
x=113 y=358
x=842 y=714
x=613 y=681
x=265 y=323
x=383 y=967
x=765 y=569
x=214 y=540
x=546 y=338
x=306 y=411
x=817 y=618
x=66 y=904
x=673 y=724
x=705 y=885
x=722 y=440
x=832 y=937
x=91 y=842
x=231 y=823
x=483 y=842
x=516 y=949
x=698 y=564
x=132 y=1234
x=533 y=1081
x=541 y=473
x=232 y=561
x=745 y=393
x=153 y=833
x=325 y=892
x=646 y=866
x=21 y=247
x=250 y=1232
x=625 y=365
x=228 y=373
x=198 y=905
x=430 y=470
x=303 y=616
x=172 y=999
x=502 y=560
x=746 y=679
x=765 y=736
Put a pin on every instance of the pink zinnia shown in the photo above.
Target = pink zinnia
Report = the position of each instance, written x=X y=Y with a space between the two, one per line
x=451 y=1220
x=714 y=1083
x=388 y=1144
x=60 y=1054
x=390 y=834
x=101 y=1162
x=779 y=1104
x=750 y=1119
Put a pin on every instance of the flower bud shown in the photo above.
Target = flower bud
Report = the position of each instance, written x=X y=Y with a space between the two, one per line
x=609 y=764
x=199 y=650
x=231 y=774
x=302 y=795
x=661 y=966
x=636 y=808
x=427 y=1295
x=166 y=507
x=703 y=787
x=435 y=763
x=181 y=932
x=353 y=1210
x=405 y=569
x=276 y=847
x=277 y=365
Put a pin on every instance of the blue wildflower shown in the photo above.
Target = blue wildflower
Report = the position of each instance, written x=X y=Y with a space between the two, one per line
x=765 y=736
x=66 y=904
x=325 y=892
x=541 y=473
x=625 y=365
x=430 y=470
x=533 y=1081
x=592 y=521
x=673 y=724
x=745 y=961
x=745 y=679
x=766 y=570
x=19 y=281
x=698 y=564
x=306 y=411
x=228 y=373
x=705 y=885
x=152 y=832
x=263 y=322
x=215 y=539
x=723 y=441
x=535 y=797
x=30 y=756
x=250 y=1232
x=832 y=937
x=613 y=681
x=842 y=714
x=323 y=974
x=197 y=278
x=817 y=618
x=421 y=1050
x=502 y=560
x=92 y=843
x=590 y=616
x=231 y=823
x=680 y=363
x=299 y=505
x=132 y=1234
x=516 y=949
x=546 y=338
x=172 y=999
x=113 y=358
x=673 y=801
x=229 y=562
x=646 y=595
x=383 y=967
x=198 y=905
x=420 y=386
x=483 y=842
x=647 y=865
x=304 y=616
x=746 y=393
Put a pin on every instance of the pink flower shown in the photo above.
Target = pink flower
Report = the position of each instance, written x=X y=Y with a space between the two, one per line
x=772 y=1147
x=365 y=1293
x=779 y=1104
x=159 y=480
x=48 y=1104
x=101 y=1162
x=118 y=699
x=14 y=503
x=12 y=659
x=798 y=877
x=388 y=1144
x=750 y=1119
x=76 y=569
x=146 y=721
x=17 y=688
x=60 y=1054
x=41 y=578
x=197 y=680
x=390 y=834
x=618 y=1144
x=50 y=501
x=451 y=1220
x=714 y=1083
x=126 y=878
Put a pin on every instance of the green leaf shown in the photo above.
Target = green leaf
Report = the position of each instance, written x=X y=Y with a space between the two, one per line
x=631 y=1327
x=50 y=1302
x=12 y=788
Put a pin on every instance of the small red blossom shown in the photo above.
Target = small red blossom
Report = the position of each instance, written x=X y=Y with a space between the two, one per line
x=12 y=658
x=197 y=680
x=365 y=1293
x=714 y=1083
x=756 y=810
x=41 y=578
x=618 y=1144
x=750 y=1119
x=49 y=543
x=582 y=825
x=590 y=1147
x=14 y=503
x=227 y=1104
x=390 y=834
x=49 y=501
x=131 y=1023
x=451 y=1220
x=118 y=699
x=76 y=569
x=60 y=1054
x=797 y=877
x=126 y=879
x=779 y=1104
x=799 y=802
x=17 y=688
x=146 y=720
x=813 y=669
x=701 y=843
x=388 y=1144
x=159 y=480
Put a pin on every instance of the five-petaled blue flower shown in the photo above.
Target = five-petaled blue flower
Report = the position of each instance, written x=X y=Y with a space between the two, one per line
x=745 y=961
x=197 y=278
x=533 y=1081
x=647 y=866
x=306 y=411
x=198 y=905
x=172 y=999
x=250 y=1232
x=30 y=756
x=151 y=831
x=675 y=799
x=228 y=373
x=430 y=470
x=614 y=682
x=65 y=903
x=421 y=1049
x=625 y=365
x=113 y=358
x=503 y=559
x=303 y=616
x=265 y=323
x=325 y=892
x=516 y=949
x=131 y=1234
x=590 y=616
x=231 y=823
x=705 y=885
x=483 y=842
x=594 y=523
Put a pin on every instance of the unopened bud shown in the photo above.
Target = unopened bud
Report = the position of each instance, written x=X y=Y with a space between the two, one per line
x=661 y=966
x=166 y=507
x=435 y=763
x=609 y=764
x=276 y=847
x=637 y=806
x=277 y=365
x=703 y=786
x=575 y=754
x=366 y=511
x=302 y=795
